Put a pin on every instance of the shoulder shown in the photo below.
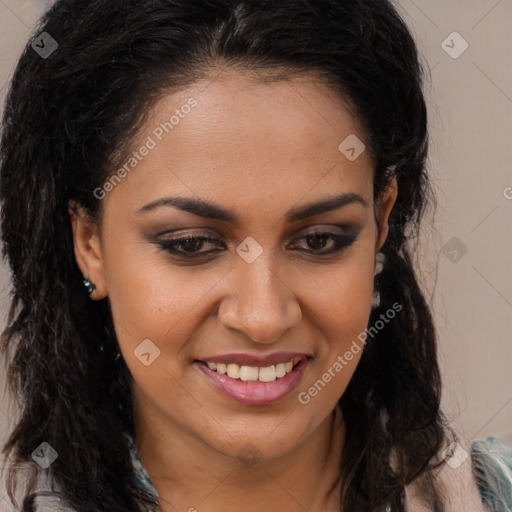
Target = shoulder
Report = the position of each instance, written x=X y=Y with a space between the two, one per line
x=475 y=477
x=492 y=468
x=46 y=497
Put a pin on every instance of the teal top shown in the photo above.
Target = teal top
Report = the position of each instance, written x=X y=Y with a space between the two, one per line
x=492 y=468
x=491 y=463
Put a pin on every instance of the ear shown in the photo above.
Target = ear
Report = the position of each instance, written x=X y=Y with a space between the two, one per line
x=383 y=208
x=87 y=248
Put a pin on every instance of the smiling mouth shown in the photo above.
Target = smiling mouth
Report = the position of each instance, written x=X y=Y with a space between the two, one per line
x=253 y=373
x=255 y=385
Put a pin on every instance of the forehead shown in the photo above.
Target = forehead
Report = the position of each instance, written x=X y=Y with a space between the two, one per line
x=237 y=137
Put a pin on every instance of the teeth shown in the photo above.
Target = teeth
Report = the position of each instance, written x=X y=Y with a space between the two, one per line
x=268 y=374
x=248 y=373
x=233 y=371
x=281 y=370
x=252 y=373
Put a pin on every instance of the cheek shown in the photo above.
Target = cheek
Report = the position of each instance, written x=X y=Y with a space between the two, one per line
x=354 y=309
x=343 y=298
x=342 y=310
x=149 y=297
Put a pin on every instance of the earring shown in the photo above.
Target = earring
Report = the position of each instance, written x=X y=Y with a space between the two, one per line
x=376 y=299
x=89 y=285
x=379 y=264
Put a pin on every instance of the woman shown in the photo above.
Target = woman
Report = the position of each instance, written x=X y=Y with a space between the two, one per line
x=206 y=210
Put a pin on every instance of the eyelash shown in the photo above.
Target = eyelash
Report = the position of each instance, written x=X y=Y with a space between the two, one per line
x=341 y=242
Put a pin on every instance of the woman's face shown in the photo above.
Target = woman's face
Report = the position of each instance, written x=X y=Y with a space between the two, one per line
x=253 y=165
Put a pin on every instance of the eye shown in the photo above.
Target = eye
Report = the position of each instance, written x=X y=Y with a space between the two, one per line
x=189 y=245
x=318 y=240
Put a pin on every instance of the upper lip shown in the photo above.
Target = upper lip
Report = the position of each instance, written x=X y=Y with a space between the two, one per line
x=256 y=360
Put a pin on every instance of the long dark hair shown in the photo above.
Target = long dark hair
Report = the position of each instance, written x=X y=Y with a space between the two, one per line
x=68 y=122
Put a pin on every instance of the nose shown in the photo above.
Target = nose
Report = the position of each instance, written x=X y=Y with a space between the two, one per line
x=261 y=304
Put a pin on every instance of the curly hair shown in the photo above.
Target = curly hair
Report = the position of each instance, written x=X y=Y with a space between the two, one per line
x=69 y=120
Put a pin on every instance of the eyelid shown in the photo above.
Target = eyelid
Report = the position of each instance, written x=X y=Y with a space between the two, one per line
x=346 y=229
x=341 y=241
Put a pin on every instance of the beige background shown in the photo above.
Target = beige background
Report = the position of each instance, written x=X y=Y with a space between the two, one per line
x=470 y=102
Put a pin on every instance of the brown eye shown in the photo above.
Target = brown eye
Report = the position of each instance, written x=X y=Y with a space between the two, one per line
x=188 y=246
x=318 y=240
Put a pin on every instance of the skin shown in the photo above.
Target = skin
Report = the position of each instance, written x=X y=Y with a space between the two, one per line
x=260 y=150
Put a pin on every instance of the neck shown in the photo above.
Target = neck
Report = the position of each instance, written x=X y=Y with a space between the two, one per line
x=188 y=475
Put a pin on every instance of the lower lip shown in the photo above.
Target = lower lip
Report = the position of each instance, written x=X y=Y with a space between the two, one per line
x=255 y=392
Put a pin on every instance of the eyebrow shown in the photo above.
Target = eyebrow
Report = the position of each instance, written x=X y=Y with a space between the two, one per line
x=213 y=211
